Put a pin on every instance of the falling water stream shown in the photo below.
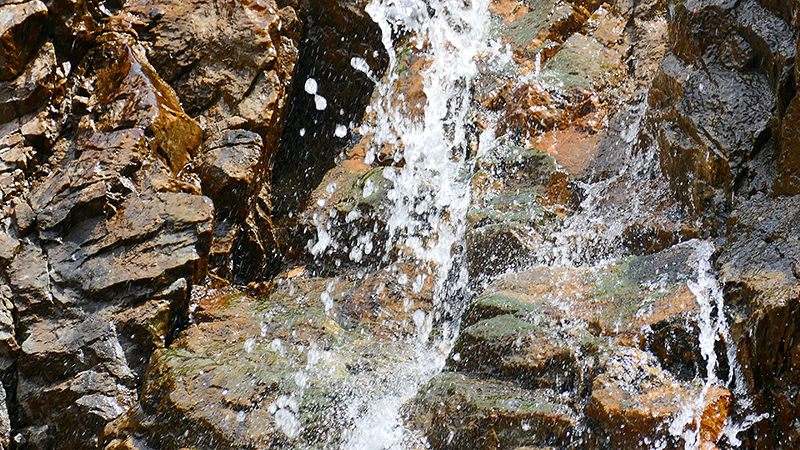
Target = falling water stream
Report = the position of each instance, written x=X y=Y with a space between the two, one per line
x=430 y=194
x=430 y=197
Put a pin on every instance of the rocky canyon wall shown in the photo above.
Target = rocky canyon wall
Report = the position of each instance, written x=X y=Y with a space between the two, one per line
x=165 y=164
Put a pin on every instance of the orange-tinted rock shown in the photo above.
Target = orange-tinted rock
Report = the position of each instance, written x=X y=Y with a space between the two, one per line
x=529 y=109
x=572 y=148
x=383 y=297
x=635 y=401
x=235 y=58
x=717 y=410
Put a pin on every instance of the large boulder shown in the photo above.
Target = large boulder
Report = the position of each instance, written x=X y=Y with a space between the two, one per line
x=280 y=368
x=617 y=343
x=731 y=60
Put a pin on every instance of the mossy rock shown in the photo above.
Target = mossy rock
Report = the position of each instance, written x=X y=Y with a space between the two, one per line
x=581 y=63
x=457 y=412
x=556 y=20
x=496 y=304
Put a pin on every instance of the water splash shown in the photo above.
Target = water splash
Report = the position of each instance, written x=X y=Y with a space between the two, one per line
x=713 y=325
x=430 y=191
x=430 y=194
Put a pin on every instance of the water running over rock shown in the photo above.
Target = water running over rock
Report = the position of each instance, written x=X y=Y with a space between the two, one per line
x=561 y=224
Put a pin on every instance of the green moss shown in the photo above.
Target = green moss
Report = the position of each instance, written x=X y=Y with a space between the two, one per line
x=581 y=63
x=493 y=305
x=521 y=32
x=499 y=327
x=482 y=398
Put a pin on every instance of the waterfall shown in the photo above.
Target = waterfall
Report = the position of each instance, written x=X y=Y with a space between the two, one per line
x=429 y=198
x=714 y=328
x=430 y=192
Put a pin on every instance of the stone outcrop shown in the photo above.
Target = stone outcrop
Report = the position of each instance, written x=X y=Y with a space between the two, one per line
x=105 y=228
x=238 y=377
x=574 y=343
x=110 y=228
x=760 y=266
x=731 y=60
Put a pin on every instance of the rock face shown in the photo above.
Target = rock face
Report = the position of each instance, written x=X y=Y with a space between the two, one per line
x=110 y=228
x=103 y=170
x=722 y=109
x=601 y=345
x=151 y=296
x=749 y=61
x=760 y=266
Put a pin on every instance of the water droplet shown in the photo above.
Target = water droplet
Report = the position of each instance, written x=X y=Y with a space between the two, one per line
x=311 y=86
x=320 y=102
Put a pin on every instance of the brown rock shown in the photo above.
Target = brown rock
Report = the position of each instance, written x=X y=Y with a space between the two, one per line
x=31 y=88
x=19 y=35
x=73 y=375
x=148 y=244
x=787 y=181
x=8 y=342
x=635 y=401
x=509 y=348
x=717 y=410
x=231 y=59
x=457 y=411
x=529 y=109
x=122 y=70
x=29 y=279
x=230 y=165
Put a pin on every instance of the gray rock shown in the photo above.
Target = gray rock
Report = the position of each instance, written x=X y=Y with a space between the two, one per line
x=151 y=242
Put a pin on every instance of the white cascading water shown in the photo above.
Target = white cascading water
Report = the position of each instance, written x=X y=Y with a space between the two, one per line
x=714 y=328
x=430 y=195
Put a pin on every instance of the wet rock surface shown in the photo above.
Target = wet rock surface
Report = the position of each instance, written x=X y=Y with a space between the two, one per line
x=263 y=372
x=152 y=297
x=613 y=346
x=742 y=72
x=336 y=97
